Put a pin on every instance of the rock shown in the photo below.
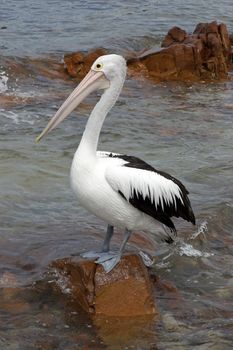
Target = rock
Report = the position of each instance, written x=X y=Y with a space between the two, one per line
x=125 y=291
x=121 y=302
x=12 y=302
x=11 y=101
x=78 y=64
x=203 y=55
x=8 y=279
x=231 y=39
x=25 y=70
x=175 y=34
x=170 y=323
x=128 y=285
x=127 y=332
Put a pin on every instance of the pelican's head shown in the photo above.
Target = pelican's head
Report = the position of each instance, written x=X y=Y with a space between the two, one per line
x=105 y=71
x=112 y=66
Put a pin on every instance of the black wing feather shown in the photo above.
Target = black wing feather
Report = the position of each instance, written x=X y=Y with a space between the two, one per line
x=164 y=212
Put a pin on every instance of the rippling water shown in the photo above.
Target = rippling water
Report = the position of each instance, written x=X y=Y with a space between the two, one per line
x=183 y=129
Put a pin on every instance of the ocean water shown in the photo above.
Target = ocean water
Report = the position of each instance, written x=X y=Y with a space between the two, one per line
x=184 y=129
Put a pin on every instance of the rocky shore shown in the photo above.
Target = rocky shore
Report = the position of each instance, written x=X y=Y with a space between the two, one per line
x=204 y=54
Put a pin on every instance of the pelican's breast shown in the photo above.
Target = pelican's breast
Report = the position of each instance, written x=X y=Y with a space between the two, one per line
x=91 y=188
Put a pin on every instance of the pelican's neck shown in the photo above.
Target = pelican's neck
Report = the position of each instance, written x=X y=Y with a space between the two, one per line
x=90 y=138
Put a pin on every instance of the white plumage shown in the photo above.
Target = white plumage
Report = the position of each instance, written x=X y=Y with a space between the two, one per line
x=145 y=182
x=122 y=190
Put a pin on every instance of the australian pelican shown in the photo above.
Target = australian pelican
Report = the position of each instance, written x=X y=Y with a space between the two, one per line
x=124 y=191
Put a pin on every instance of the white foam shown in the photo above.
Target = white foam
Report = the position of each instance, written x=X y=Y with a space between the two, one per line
x=201 y=230
x=17 y=118
x=10 y=115
x=147 y=260
x=188 y=250
x=62 y=281
x=3 y=82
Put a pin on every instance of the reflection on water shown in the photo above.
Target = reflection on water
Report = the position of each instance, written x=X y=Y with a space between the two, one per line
x=184 y=129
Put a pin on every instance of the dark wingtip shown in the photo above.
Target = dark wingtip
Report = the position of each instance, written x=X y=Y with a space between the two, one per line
x=192 y=217
x=168 y=240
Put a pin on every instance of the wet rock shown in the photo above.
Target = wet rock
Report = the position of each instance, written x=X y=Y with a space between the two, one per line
x=26 y=68
x=125 y=291
x=12 y=302
x=175 y=34
x=170 y=323
x=11 y=101
x=127 y=332
x=8 y=279
x=78 y=64
x=231 y=39
x=128 y=285
x=203 y=55
x=120 y=305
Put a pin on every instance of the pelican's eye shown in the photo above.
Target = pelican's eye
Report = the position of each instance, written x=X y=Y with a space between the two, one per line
x=99 y=66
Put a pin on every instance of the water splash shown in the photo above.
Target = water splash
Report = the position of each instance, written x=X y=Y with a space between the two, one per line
x=10 y=115
x=61 y=281
x=18 y=119
x=3 y=81
x=202 y=230
x=189 y=250
x=147 y=260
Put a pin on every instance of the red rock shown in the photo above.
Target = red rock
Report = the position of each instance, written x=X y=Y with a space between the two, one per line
x=128 y=285
x=78 y=64
x=8 y=279
x=121 y=303
x=175 y=34
x=10 y=101
x=125 y=291
x=205 y=54
x=231 y=39
x=11 y=301
x=127 y=332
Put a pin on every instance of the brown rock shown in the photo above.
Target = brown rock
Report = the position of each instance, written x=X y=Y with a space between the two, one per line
x=120 y=302
x=231 y=39
x=205 y=54
x=24 y=68
x=127 y=332
x=8 y=279
x=125 y=291
x=12 y=302
x=78 y=64
x=128 y=285
x=11 y=101
x=175 y=34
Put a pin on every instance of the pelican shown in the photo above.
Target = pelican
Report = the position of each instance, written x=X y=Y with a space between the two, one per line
x=122 y=190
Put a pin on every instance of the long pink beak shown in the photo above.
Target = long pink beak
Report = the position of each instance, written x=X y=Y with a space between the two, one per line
x=92 y=81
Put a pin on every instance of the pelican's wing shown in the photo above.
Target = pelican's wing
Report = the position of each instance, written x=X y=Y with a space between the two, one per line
x=105 y=154
x=152 y=192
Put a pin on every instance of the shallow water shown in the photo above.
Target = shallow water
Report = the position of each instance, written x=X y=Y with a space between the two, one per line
x=184 y=129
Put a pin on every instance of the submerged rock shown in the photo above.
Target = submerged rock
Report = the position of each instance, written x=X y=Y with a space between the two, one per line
x=125 y=291
x=121 y=303
x=203 y=55
x=78 y=64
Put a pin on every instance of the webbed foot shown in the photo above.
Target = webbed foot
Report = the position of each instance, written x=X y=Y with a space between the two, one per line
x=90 y=255
x=95 y=255
x=108 y=261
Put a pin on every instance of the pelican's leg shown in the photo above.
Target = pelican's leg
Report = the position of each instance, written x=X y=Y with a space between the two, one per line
x=107 y=239
x=110 y=260
x=105 y=248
